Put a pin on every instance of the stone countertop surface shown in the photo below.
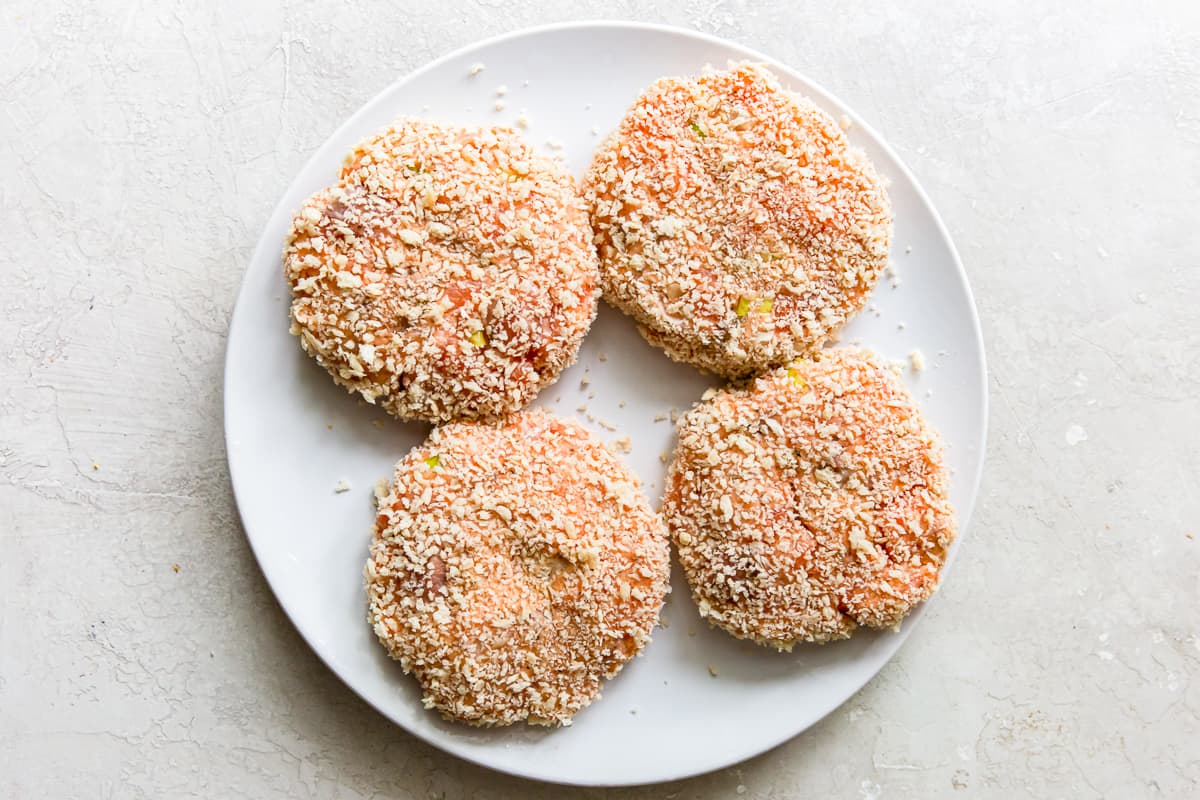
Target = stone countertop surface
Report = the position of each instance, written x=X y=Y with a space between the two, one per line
x=142 y=149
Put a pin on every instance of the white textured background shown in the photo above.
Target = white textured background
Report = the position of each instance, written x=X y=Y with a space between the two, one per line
x=142 y=147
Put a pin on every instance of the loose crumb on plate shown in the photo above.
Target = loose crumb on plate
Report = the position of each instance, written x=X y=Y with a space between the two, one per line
x=893 y=274
x=917 y=359
x=476 y=69
x=342 y=485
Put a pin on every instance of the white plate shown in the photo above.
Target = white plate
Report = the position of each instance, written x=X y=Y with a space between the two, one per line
x=664 y=716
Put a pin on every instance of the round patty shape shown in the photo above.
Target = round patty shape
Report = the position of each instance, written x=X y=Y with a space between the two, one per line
x=449 y=273
x=809 y=503
x=735 y=222
x=515 y=565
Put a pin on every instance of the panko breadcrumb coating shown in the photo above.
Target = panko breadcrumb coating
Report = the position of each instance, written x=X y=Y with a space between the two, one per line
x=515 y=565
x=449 y=273
x=735 y=222
x=809 y=503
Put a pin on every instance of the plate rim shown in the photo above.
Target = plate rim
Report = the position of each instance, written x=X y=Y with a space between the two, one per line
x=243 y=299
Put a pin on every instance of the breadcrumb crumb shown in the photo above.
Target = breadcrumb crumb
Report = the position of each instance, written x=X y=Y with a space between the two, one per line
x=917 y=359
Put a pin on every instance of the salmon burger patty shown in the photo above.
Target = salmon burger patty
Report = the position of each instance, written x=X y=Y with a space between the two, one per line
x=809 y=503
x=448 y=273
x=735 y=223
x=515 y=565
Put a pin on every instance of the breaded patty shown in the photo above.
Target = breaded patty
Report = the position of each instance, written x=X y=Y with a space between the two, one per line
x=447 y=274
x=735 y=222
x=809 y=503
x=515 y=565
